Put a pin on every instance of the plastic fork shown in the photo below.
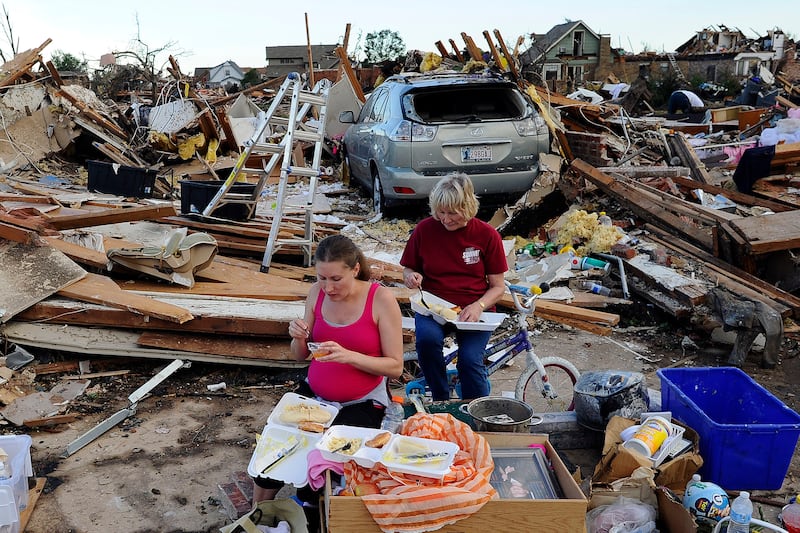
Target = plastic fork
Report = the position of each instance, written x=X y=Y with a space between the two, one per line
x=343 y=448
x=422 y=299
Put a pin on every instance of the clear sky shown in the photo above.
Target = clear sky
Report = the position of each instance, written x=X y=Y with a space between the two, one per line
x=206 y=33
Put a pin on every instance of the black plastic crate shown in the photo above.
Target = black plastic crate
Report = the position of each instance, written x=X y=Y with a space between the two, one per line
x=195 y=196
x=126 y=181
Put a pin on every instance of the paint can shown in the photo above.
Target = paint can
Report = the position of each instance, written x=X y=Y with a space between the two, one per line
x=650 y=436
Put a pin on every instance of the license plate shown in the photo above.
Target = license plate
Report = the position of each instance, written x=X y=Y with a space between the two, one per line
x=476 y=153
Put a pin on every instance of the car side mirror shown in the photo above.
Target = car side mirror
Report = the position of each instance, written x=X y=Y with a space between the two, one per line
x=347 y=117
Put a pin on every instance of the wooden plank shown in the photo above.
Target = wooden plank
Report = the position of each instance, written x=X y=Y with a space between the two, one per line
x=736 y=196
x=100 y=289
x=80 y=254
x=123 y=343
x=50 y=421
x=749 y=285
x=93 y=115
x=20 y=64
x=474 y=52
x=16 y=234
x=33 y=497
x=597 y=329
x=223 y=316
x=246 y=348
x=770 y=233
x=344 y=62
x=30 y=273
x=688 y=155
x=456 y=51
x=111 y=216
x=512 y=63
x=554 y=310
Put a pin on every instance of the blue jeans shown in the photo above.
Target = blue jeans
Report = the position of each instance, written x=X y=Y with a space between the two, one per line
x=471 y=368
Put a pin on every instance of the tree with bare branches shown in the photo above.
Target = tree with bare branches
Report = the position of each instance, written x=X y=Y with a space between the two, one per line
x=147 y=61
x=8 y=32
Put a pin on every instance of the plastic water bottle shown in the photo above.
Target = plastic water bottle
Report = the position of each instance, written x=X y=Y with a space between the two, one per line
x=393 y=416
x=604 y=219
x=741 y=513
x=595 y=288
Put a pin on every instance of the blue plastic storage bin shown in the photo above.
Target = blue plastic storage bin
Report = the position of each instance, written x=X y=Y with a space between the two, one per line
x=747 y=435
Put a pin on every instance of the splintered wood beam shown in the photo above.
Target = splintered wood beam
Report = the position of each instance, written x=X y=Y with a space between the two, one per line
x=93 y=115
x=512 y=62
x=80 y=254
x=111 y=216
x=736 y=196
x=493 y=49
x=474 y=52
x=102 y=290
x=351 y=76
x=275 y=350
x=16 y=234
x=456 y=51
x=442 y=50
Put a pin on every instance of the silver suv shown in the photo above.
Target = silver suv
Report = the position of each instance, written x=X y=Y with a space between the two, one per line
x=414 y=129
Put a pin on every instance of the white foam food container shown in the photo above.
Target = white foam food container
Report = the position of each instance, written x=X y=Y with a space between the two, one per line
x=289 y=399
x=487 y=322
x=291 y=469
x=422 y=457
x=336 y=436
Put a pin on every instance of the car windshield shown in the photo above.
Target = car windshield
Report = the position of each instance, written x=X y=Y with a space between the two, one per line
x=464 y=104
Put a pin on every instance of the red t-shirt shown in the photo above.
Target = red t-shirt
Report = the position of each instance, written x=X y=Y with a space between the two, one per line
x=340 y=382
x=454 y=264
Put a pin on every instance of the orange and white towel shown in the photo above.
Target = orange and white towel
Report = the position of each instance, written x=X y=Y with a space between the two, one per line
x=409 y=503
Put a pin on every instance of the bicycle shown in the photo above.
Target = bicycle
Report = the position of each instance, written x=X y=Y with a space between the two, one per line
x=546 y=384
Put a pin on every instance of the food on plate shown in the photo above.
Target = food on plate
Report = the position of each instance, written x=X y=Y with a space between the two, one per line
x=311 y=427
x=448 y=313
x=305 y=412
x=408 y=447
x=344 y=445
x=379 y=440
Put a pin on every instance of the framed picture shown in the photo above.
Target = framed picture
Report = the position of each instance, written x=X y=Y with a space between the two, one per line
x=523 y=473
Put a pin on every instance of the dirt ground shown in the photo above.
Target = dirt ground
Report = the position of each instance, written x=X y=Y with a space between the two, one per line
x=160 y=469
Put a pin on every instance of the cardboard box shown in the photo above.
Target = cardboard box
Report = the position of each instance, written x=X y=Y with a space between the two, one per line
x=618 y=462
x=345 y=514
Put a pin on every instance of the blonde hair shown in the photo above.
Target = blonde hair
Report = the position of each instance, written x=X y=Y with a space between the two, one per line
x=454 y=193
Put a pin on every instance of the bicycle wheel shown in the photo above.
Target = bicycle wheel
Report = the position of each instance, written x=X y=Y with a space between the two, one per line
x=561 y=375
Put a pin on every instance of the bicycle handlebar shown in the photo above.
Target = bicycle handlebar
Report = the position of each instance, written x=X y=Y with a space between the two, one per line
x=528 y=304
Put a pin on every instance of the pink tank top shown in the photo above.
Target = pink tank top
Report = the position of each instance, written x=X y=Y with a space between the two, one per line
x=341 y=382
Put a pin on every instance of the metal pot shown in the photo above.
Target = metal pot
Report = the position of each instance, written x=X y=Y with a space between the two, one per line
x=493 y=413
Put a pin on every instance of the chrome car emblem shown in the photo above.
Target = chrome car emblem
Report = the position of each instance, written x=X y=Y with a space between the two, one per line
x=476 y=132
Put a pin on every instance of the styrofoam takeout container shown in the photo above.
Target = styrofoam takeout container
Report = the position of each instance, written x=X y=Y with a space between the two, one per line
x=363 y=455
x=292 y=469
x=436 y=467
x=291 y=398
x=487 y=322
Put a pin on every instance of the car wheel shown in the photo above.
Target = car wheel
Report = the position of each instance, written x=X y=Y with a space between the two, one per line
x=378 y=201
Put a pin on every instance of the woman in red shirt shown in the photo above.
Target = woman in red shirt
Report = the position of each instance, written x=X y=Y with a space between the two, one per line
x=459 y=258
x=359 y=326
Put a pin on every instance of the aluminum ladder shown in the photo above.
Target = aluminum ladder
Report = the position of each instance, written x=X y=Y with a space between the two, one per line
x=676 y=68
x=294 y=130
